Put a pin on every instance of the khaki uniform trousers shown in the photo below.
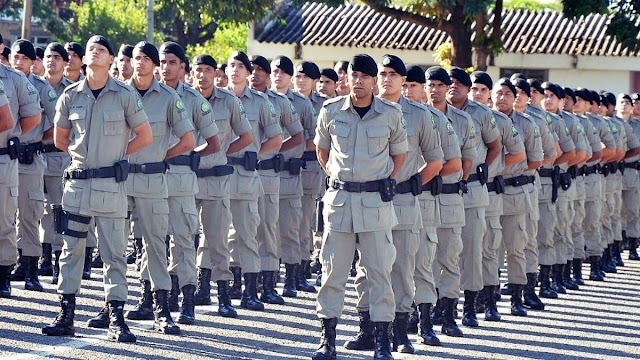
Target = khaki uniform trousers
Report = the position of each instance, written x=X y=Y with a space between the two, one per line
x=30 y=211
x=608 y=207
x=183 y=226
x=53 y=184
x=616 y=218
x=8 y=208
x=312 y=178
x=377 y=255
x=269 y=210
x=631 y=212
x=531 y=252
x=213 y=250
x=446 y=269
x=593 y=215
x=245 y=251
x=514 y=233
x=562 y=240
x=153 y=220
x=112 y=249
x=546 y=227
x=425 y=292
x=471 y=257
x=492 y=241
x=291 y=250
x=577 y=226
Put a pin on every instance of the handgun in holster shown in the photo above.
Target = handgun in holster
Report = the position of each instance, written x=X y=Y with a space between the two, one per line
x=555 y=183
x=60 y=220
x=483 y=173
x=319 y=218
x=387 y=189
x=121 y=169
x=13 y=145
x=250 y=160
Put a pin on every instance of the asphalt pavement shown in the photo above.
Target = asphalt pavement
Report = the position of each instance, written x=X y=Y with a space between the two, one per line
x=599 y=321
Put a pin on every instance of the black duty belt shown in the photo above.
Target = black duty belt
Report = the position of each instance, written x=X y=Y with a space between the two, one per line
x=294 y=166
x=27 y=152
x=249 y=161
x=182 y=160
x=309 y=156
x=497 y=185
x=631 y=165
x=50 y=148
x=119 y=171
x=221 y=170
x=160 y=167
x=473 y=177
x=546 y=172
x=413 y=185
x=356 y=187
x=275 y=163
x=457 y=188
x=588 y=170
x=4 y=151
x=520 y=180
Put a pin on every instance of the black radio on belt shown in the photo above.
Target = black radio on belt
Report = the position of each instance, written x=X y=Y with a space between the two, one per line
x=434 y=186
x=387 y=189
x=194 y=161
x=250 y=160
x=483 y=173
x=294 y=166
x=499 y=184
x=27 y=153
x=13 y=146
x=121 y=170
x=573 y=171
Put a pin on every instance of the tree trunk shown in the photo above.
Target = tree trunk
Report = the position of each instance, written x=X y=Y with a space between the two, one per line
x=461 y=44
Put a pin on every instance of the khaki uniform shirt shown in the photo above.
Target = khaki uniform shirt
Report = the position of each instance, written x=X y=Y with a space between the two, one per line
x=167 y=117
x=231 y=122
x=424 y=146
x=593 y=137
x=291 y=120
x=317 y=100
x=182 y=181
x=8 y=167
x=246 y=185
x=57 y=161
x=47 y=98
x=22 y=96
x=632 y=128
x=100 y=133
x=360 y=150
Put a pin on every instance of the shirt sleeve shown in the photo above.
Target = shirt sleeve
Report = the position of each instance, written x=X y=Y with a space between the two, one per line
x=592 y=136
x=448 y=138
x=134 y=110
x=533 y=142
x=203 y=118
x=61 y=119
x=48 y=99
x=268 y=121
x=511 y=142
x=288 y=119
x=605 y=135
x=469 y=137
x=323 y=138
x=429 y=139
x=566 y=143
x=632 y=139
x=398 y=138
x=489 y=129
x=28 y=98
x=238 y=119
x=307 y=119
x=178 y=119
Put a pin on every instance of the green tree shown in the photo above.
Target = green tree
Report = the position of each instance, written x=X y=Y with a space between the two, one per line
x=43 y=14
x=228 y=38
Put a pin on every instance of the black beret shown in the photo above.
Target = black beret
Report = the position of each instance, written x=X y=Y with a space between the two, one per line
x=205 y=59
x=535 y=84
x=24 y=47
x=522 y=84
x=610 y=98
x=308 y=68
x=481 y=77
x=150 y=50
x=330 y=73
x=365 y=64
x=99 y=39
x=283 y=63
x=395 y=63
x=40 y=52
x=243 y=58
x=555 y=89
x=623 y=96
x=416 y=74
x=171 y=47
x=635 y=97
x=6 y=52
x=75 y=47
x=262 y=62
x=341 y=65
x=438 y=73
x=506 y=82
x=460 y=75
x=222 y=67
x=126 y=50
x=569 y=93
x=57 y=47
x=187 y=66
x=595 y=97
x=517 y=76
x=604 y=101
x=582 y=93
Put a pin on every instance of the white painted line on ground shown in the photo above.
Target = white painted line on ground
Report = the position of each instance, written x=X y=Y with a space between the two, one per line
x=47 y=352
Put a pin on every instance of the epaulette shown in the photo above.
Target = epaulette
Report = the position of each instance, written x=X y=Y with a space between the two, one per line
x=226 y=92
x=333 y=100
x=387 y=102
x=304 y=97
x=416 y=104
x=167 y=88
x=460 y=112
x=40 y=80
x=258 y=93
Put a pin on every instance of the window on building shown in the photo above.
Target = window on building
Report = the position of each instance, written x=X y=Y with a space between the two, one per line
x=540 y=74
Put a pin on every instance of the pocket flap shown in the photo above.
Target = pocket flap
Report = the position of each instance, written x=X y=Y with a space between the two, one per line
x=110 y=186
x=113 y=115
x=339 y=129
x=36 y=195
x=77 y=115
x=377 y=131
x=372 y=200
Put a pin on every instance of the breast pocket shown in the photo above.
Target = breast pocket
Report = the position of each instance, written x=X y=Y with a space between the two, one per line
x=78 y=121
x=377 y=139
x=158 y=128
x=412 y=138
x=114 y=123
x=340 y=135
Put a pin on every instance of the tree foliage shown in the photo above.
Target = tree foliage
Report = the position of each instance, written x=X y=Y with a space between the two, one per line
x=229 y=37
x=43 y=14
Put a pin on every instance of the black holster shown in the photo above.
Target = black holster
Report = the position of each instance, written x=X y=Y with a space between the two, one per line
x=500 y=185
x=319 y=219
x=555 y=183
x=387 y=189
x=250 y=160
x=483 y=173
x=416 y=184
x=296 y=165
x=13 y=145
x=121 y=169
x=194 y=161
x=565 y=181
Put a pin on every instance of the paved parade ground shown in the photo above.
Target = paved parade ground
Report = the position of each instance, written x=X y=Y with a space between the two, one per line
x=600 y=321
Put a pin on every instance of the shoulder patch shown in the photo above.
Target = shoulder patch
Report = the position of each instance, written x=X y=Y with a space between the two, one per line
x=536 y=132
x=1 y=86
x=548 y=118
x=31 y=88
x=240 y=105
x=272 y=109
x=493 y=121
x=472 y=132
x=450 y=128
x=293 y=109
x=179 y=106
x=139 y=103
x=404 y=122
x=433 y=121
x=52 y=94
x=514 y=131
x=205 y=107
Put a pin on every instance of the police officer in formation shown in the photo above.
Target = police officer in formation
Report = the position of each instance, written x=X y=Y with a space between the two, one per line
x=448 y=175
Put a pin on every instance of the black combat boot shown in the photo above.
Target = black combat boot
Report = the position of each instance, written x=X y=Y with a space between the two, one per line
x=633 y=249
x=546 y=291
x=45 y=265
x=236 y=288
x=144 y=308
x=353 y=270
x=301 y=281
x=481 y=299
x=289 y=289
x=96 y=262
x=567 y=278
x=316 y=266
x=174 y=305
x=162 y=316
x=305 y=268
x=594 y=274
x=364 y=339
x=327 y=349
x=449 y=326
x=426 y=328
x=414 y=320
x=5 y=282
x=383 y=333
x=56 y=267
x=188 y=314
x=118 y=329
x=250 y=294
x=506 y=290
x=225 y=309
x=606 y=262
x=269 y=294
x=63 y=324
x=100 y=321
x=557 y=277
x=132 y=255
x=437 y=313
x=469 y=312
x=517 y=309
x=401 y=342
x=577 y=272
x=616 y=249
x=86 y=269
x=203 y=291
x=531 y=300
x=490 y=308
x=19 y=273
x=31 y=281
